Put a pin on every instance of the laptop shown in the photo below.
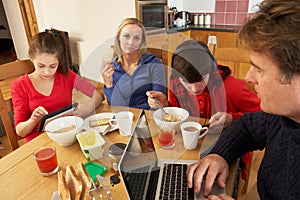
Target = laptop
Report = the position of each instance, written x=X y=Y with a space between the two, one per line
x=145 y=177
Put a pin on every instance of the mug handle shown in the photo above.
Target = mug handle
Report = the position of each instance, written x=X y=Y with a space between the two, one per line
x=113 y=123
x=203 y=134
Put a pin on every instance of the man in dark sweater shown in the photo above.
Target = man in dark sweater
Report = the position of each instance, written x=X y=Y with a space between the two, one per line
x=273 y=38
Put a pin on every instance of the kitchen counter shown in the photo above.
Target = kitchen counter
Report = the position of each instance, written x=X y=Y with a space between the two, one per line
x=212 y=27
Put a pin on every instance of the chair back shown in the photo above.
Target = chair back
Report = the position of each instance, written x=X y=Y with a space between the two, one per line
x=9 y=72
x=237 y=59
x=162 y=54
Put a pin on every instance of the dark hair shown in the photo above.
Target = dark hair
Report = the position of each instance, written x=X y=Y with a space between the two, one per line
x=52 y=42
x=192 y=60
x=275 y=31
x=117 y=46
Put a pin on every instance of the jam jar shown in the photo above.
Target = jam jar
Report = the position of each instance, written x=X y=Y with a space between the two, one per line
x=115 y=152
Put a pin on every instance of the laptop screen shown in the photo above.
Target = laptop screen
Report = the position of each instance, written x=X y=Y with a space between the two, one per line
x=138 y=160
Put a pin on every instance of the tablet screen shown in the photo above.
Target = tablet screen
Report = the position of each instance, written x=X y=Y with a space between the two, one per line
x=58 y=113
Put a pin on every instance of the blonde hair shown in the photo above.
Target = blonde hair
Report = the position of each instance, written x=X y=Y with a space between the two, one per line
x=117 y=46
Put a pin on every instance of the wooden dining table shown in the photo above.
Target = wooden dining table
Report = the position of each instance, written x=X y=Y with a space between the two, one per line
x=20 y=177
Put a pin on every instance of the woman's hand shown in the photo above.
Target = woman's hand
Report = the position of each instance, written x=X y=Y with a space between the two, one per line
x=107 y=70
x=159 y=96
x=38 y=113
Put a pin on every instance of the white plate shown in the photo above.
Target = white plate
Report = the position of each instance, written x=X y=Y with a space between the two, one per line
x=100 y=129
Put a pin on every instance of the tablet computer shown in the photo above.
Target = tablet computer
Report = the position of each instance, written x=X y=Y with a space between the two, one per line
x=58 y=113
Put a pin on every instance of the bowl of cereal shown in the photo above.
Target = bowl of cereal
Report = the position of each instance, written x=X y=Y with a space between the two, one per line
x=172 y=120
x=63 y=130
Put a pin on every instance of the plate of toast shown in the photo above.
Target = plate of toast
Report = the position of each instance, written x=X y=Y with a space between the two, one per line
x=100 y=122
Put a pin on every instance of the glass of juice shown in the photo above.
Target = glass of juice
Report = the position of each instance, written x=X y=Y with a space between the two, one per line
x=166 y=138
x=46 y=160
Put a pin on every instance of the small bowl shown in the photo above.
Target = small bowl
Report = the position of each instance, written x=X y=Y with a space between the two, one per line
x=55 y=129
x=160 y=121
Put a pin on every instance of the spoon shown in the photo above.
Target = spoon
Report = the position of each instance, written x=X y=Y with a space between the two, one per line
x=168 y=117
x=160 y=106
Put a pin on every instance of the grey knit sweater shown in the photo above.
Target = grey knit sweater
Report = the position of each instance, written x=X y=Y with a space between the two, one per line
x=279 y=173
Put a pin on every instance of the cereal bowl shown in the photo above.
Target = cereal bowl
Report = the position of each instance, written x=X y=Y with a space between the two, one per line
x=63 y=130
x=179 y=114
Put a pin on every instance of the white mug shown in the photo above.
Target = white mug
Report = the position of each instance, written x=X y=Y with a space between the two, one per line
x=190 y=133
x=123 y=120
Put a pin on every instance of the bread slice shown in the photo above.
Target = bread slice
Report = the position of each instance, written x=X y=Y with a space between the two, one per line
x=85 y=179
x=74 y=183
x=99 y=122
x=63 y=190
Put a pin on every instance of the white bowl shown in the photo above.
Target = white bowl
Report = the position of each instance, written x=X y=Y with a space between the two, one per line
x=159 y=118
x=64 y=138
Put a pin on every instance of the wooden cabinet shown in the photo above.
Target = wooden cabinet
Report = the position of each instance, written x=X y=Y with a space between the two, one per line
x=157 y=41
x=224 y=39
x=169 y=43
x=174 y=40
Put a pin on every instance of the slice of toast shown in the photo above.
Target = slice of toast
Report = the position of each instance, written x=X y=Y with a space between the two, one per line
x=74 y=183
x=99 y=122
x=85 y=179
x=63 y=190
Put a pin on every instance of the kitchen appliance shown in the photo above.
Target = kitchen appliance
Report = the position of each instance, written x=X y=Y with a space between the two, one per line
x=185 y=16
x=171 y=18
x=154 y=15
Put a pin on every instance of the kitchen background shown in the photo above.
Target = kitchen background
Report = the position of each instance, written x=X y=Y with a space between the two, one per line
x=93 y=22
x=222 y=12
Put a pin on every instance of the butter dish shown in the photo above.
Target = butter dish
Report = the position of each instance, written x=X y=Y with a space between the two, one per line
x=91 y=144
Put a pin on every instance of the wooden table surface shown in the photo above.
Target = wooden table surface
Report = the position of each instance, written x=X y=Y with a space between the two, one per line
x=20 y=178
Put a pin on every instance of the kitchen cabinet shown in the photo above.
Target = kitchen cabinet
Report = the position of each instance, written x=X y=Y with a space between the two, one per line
x=224 y=39
x=174 y=40
x=170 y=42
x=157 y=41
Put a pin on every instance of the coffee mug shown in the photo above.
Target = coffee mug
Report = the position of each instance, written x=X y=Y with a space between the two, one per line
x=123 y=120
x=190 y=133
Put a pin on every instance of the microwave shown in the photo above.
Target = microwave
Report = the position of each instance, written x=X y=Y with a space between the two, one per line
x=154 y=15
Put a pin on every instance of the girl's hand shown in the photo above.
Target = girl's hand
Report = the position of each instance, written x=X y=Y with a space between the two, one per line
x=38 y=113
x=107 y=71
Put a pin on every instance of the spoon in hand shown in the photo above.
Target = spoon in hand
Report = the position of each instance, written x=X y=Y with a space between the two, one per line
x=167 y=116
x=160 y=106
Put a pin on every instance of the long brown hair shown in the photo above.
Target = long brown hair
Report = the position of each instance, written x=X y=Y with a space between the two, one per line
x=275 y=31
x=117 y=46
x=50 y=42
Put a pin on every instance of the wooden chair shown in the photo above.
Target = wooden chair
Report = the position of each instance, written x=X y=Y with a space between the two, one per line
x=237 y=59
x=9 y=72
x=162 y=54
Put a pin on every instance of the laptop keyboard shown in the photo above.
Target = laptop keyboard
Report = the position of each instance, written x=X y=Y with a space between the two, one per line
x=174 y=183
x=138 y=182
